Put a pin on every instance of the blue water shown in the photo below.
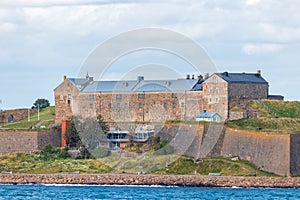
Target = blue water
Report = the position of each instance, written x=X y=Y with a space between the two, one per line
x=140 y=192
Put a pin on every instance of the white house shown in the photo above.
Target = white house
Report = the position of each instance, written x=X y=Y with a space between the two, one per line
x=208 y=117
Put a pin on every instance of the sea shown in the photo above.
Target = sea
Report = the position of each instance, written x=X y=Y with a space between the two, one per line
x=73 y=192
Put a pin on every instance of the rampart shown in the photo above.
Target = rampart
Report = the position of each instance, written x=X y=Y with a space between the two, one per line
x=24 y=141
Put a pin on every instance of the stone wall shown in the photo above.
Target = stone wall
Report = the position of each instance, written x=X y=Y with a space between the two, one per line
x=248 y=91
x=12 y=141
x=295 y=156
x=270 y=152
x=17 y=114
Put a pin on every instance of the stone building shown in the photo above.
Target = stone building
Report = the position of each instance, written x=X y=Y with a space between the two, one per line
x=144 y=100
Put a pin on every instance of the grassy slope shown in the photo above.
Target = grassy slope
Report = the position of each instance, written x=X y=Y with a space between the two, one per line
x=288 y=120
x=46 y=114
x=36 y=163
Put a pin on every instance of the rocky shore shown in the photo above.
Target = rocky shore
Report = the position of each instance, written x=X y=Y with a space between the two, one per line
x=170 y=180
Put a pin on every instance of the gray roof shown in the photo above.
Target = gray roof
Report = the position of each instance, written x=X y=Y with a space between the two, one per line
x=205 y=114
x=143 y=85
x=242 y=77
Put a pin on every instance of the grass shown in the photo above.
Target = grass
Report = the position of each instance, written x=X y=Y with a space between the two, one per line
x=224 y=166
x=287 y=109
x=35 y=163
x=46 y=114
x=274 y=125
x=45 y=163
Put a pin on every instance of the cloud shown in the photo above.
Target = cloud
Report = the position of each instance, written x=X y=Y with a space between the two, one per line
x=251 y=49
x=252 y=2
x=7 y=27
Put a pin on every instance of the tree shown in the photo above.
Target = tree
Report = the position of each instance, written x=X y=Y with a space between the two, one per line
x=72 y=137
x=41 y=103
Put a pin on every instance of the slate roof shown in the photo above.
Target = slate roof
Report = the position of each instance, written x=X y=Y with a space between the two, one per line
x=143 y=85
x=205 y=114
x=242 y=77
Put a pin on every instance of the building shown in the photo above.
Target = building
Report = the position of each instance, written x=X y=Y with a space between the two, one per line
x=205 y=116
x=143 y=100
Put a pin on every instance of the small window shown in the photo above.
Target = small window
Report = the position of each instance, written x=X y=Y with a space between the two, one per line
x=69 y=96
x=210 y=90
x=217 y=91
x=140 y=105
x=210 y=100
x=91 y=106
x=217 y=100
x=165 y=105
x=182 y=104
x=174 y=104
x=69 y=102
x=126 y=105
x=118 y=105
x=141 y=96
x=91 y=97
x=174 y=95
x=110 y=105
x=119 y=96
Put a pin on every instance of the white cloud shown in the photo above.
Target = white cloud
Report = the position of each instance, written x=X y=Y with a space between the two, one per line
x=251 y=49
x=7 y=27
x=252 y=2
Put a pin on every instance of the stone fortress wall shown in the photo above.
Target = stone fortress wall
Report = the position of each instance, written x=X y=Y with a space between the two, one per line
x=22 y=141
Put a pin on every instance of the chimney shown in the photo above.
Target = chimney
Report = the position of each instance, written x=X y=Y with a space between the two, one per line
x=193 y=77
x=206 y=75
x=65 y=77
x=200 y=77
x=259 y=72
x=140 y=78
x=188 y=76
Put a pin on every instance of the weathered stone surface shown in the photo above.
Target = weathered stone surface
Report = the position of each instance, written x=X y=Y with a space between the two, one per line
x=12 y=141
x=171 y=180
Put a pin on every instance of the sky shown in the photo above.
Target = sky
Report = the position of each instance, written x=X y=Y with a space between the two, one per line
x=41 y=41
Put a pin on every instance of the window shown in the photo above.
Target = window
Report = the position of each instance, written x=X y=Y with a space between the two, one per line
x=110 y=105
x=119 y=96
x=174 y=104
x=118 y=105
x=182 y=104
x=210 y=100
x=174 y=95
x=91 y=97
x=69 y=96
x=165 y=105
x=141 y=96
x=217 y=100
x=91 y=106
x=140 y=105
x=69 y=102
x=217 y=91
x=126 y=105
x=210 y=90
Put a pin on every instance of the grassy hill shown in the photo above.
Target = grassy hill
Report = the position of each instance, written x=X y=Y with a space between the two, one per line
x=276 y=117
x=45 y=163
x=46 y=118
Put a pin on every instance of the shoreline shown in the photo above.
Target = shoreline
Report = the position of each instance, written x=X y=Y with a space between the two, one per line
x=150 y=180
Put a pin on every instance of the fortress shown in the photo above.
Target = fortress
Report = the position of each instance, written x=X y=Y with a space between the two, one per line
x=144 y=100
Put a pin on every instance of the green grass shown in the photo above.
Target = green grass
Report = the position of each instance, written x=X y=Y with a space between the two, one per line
x=288 y=109
x=36 y=163
x=274 y=125
x=46 y=114
x=224 y=166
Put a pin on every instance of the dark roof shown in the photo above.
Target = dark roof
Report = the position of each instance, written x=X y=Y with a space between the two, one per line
x=242 y=77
